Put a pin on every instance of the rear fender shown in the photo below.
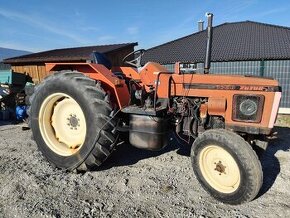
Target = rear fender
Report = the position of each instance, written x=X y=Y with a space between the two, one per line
x=116 y=87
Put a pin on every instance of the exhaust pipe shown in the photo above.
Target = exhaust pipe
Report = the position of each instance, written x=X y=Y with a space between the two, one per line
x=209 y=43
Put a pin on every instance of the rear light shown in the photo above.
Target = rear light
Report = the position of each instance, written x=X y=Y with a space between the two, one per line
x=248 y=108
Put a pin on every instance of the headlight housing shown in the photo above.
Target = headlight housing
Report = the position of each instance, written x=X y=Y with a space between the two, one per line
x=248 y=108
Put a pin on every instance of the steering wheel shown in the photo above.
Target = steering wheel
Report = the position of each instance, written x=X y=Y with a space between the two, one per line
x=136 y=61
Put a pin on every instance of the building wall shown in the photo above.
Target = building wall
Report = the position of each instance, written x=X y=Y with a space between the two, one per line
x=280 y=70
x=37 y=70
x=277 y=69
x=4 y=66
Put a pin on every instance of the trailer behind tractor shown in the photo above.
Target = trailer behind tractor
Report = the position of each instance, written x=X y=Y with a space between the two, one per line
x=81 y=111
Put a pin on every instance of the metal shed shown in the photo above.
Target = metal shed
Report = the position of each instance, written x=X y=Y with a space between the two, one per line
x=34 y=64
x=247 y=47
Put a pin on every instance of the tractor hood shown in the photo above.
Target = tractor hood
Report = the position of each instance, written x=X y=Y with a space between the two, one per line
x=230 y=82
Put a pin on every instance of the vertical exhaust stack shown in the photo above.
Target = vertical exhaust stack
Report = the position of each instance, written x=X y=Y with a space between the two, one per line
x=200 y=25
x=209 y=43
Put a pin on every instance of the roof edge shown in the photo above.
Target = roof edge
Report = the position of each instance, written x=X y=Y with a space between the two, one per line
x=226 y=23
x=16 y=59
x=183 y=37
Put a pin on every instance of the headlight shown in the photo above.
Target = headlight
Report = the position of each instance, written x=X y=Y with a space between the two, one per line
x=248 y=108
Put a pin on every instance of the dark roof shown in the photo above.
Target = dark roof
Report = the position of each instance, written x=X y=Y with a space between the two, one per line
x=68 y=54
x=238 y=41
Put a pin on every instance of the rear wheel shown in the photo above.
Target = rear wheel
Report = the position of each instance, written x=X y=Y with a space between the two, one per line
x=226 y=166
x=70 y=121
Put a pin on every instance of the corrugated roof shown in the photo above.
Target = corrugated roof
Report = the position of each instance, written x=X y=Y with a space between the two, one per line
x=67 y=54
x=238 y=41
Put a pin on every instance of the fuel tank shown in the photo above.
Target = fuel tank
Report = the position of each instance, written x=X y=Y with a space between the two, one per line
x=148 y=132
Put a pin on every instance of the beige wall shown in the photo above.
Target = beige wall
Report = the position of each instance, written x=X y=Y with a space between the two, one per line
x=35 y=71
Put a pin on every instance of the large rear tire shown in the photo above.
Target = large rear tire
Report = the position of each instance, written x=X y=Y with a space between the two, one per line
x=226 y=166
x=71 y=123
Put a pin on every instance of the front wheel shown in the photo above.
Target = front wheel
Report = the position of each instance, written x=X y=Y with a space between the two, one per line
x=226 y=166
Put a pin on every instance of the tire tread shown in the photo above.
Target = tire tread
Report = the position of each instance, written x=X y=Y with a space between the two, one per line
x=106 y=137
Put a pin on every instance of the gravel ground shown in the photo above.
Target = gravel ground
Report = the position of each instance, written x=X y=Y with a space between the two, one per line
x=132 y=183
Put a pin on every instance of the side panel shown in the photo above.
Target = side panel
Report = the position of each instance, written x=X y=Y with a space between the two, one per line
x=5 y=76
x=275 y=109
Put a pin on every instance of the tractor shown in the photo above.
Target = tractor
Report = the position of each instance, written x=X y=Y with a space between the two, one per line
x=81 y=111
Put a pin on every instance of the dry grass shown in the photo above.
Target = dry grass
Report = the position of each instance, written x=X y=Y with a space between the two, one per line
x=283 y=120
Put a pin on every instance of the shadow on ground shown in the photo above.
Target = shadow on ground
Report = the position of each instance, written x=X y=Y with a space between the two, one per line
x=270 y=163
x=5 y=123
x=126 y=155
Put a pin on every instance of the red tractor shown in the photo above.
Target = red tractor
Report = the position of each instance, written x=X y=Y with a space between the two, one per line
x=79 y=113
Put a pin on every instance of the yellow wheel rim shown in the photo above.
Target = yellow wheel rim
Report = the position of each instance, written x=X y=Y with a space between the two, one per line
x=62 y=124
x=219 y=169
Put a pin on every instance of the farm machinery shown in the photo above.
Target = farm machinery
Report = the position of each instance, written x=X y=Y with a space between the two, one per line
x=81 y=111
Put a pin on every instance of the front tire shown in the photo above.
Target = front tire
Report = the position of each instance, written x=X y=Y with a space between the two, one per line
x=71 y=123
x=226 y=166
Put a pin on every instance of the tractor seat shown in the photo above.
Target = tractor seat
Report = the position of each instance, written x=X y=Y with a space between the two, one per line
x=99 y=58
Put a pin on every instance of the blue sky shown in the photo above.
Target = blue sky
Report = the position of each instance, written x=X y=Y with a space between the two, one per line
x=36 y=25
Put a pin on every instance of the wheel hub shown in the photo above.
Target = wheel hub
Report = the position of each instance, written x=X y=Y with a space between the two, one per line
x=73 y=121
x=220 y=167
